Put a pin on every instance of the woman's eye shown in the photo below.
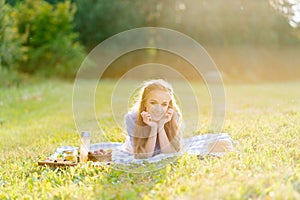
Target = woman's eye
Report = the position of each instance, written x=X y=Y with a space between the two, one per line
x=164 y=104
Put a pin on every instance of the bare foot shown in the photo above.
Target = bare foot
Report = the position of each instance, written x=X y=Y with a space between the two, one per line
x=220 y=146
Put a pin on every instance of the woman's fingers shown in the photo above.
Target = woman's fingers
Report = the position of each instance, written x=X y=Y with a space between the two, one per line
x=146 y=117
x=170 y=111
x=169 y=114
x=144 y=112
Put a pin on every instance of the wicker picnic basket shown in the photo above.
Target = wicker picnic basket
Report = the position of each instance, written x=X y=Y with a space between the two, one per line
x=99 y=157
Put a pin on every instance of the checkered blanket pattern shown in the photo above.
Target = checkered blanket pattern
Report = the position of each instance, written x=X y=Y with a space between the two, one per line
x=196 y=145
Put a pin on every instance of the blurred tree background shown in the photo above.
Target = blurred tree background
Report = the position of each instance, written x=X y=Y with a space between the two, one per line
x=249 y=40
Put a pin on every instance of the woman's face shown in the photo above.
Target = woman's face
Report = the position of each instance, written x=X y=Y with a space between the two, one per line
x=157 y=104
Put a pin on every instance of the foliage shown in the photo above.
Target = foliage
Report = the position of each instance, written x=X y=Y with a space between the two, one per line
x=249 y=40
x=98 y=20
x=289 y=9
x=50 y=43
x=235 y=23
x=9 y=78
x=10 y=48
x=14 y=2
x=47 y=34
x=209 y=22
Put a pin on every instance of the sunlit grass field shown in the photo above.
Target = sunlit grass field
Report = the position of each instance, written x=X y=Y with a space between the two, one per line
x=263 y=119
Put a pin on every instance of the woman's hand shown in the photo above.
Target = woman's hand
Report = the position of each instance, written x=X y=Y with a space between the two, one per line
x=168 y=116
x=148 y=120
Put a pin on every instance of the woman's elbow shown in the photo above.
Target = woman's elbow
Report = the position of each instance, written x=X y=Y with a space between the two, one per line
x=142 y=155
x=170 y=149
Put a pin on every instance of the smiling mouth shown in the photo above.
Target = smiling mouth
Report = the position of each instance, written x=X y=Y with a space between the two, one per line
x=156 y=112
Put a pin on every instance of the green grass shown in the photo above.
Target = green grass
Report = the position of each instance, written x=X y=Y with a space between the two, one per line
x=264 y=120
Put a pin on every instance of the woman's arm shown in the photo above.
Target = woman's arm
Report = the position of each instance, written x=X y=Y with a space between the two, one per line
x=165 y=145
x=151 y=141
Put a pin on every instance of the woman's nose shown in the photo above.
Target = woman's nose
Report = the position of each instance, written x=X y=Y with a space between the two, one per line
x=158 y=108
